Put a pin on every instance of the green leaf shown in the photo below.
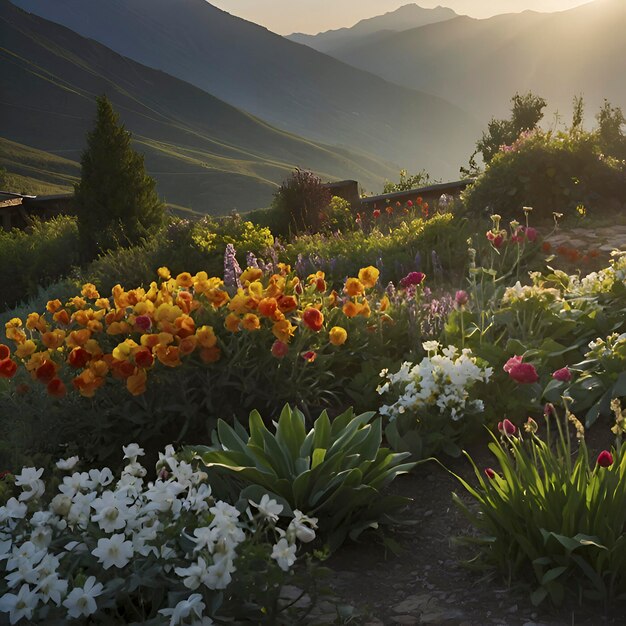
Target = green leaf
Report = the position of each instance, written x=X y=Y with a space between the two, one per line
x=552 y=574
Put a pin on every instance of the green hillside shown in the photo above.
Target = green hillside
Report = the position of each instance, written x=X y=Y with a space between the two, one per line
x=204 y=153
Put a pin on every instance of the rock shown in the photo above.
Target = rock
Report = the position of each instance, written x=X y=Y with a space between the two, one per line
x=409 y=620
x=441 y=616
x=413 y=603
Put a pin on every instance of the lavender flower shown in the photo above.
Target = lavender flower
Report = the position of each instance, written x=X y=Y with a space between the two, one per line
x=232 y=271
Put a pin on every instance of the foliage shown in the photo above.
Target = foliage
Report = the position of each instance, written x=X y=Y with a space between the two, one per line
x=335 y=471
x=35 y=257
x=182 y=245
x=132 y=551
x=434 y=403
x=564 y=172
x=408 y=181
x=116 y=200
x=302 y=200
x=546 y=514
x=526 y=113
x=338 y=216
x=611 y=137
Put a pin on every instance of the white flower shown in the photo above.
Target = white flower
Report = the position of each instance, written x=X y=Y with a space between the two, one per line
x=12 y=510
x=112 y=511
x=269 y=508
x=193 y=605
x=61 y=504
x=132 y=451
x=284 y=554
x=218 y=576
x=99 y=478
x=19 y=605
x=81 y=600
x=29 y=480
x=302 y=526
x=116 y=551
x=429 y=346
x=193 y=575
x=52 y=588
x=67 y=464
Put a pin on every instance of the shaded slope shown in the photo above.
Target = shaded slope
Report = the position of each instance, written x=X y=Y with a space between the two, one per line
x=286 y=84
x=204 y=153
x=482 y=63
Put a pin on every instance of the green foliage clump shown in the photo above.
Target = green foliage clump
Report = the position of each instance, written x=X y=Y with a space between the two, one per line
x=334 y=472
x=552 y=172
x=407 y=182
x=36 y=257
x=116 y=200
x=550 y=516
x=182 y=246
x=301 y=201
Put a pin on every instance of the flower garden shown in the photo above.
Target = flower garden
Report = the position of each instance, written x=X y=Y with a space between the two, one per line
x=183 y=450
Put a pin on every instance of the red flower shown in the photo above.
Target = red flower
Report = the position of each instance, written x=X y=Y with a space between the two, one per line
x=56 y=388
x=309 y=356
x=523 y=373
x=413 y=278
x=376 y=214
x=5 y=352
x=546 y=246
x=420 y=200
x=409 y=203
x=531 y=234
x=507 y=427
x=605 y=459
x=496 y=239
x=143 y=322
x=563 y=375
x=7 y=368
x=313 y=318
x=46 y=371
x=144 y=358
x=489 y=473
x=78 y=357
x=279 y=349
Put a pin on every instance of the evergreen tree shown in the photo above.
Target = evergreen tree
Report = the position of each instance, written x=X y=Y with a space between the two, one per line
x=116 y=200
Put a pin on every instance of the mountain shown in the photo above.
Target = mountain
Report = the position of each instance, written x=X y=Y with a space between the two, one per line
x=205 y=154
x=369 y=31
x=289 y=85
x=480 y=64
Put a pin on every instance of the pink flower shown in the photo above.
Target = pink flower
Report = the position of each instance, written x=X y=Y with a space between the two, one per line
x=309 y=356
x=518 y=235
x=461 y=298
x=506 y=427
x=143 y=322
x=605 y=459
x=414 y=278
x=523 y=373
x=496 y=238
x=409 y=203
x=563 y=375
x=489 y=473
x=279 y=349
x=531 y=234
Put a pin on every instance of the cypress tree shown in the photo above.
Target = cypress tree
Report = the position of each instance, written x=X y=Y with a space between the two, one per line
x=116 y=201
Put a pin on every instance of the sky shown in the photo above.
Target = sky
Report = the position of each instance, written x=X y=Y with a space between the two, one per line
x=312 y=16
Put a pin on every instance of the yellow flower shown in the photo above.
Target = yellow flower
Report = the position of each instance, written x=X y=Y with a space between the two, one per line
x=384 y=304
x=251 y=274
x=251 y=322
x=206 y=336
x=89 y=291
x=369 y=276
x=232 y=323
x=124 y=350
x=351 y=309
x=184 y=280
x=164 y=273
x=354 y=287
x=26 y=349
x=337 y=336
x=283 y=330
x=167 y=313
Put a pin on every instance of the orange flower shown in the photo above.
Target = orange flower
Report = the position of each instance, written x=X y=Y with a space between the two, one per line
x=99 y=367
x=286 y=304
x=119 y=328
x=283 y=330
x=26 y=349
x=251 y=322
x=122 y=369
x=350 y=309
x=149 y=341
x=210 y=355
x=78 y=338
x=217 y=297
x=61 y=317
x=144 y=358
x=53 y=306
x=87 y=383
x=267 y=307
x=7 y=368
x=78 y=357
x=14 y=330
x=90 y=291
x=384 y=304
x=34 y=321
x=185 y=325
x=168 y=355
x=337 y=336
x=354 y=287
x=232 y=323
x=206 y=337
x=187 y=345
x=56 y=388
x=313 y=318
x=53 y=339
x=136 y=383
x=184 y=280
x=368 y=276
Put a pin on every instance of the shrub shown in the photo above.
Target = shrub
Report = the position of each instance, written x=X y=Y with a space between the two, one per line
x=302 y=200
x=35 y=257
x=128 y=551
x=116 y=200
x=407 y=182
x=552 y=172
x=549 y=516
x=335 y=471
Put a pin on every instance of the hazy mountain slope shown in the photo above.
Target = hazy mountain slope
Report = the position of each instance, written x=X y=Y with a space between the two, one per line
x=407 y=16
x=286 y=84
x=481 y=63
x=204 y=153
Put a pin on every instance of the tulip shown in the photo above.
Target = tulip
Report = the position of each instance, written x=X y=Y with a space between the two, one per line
x=563 y=375
x=490 y=473
x=605 y=459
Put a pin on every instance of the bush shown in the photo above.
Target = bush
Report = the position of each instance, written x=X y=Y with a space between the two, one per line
x=36 y=257
x=302 y=200
x=335 y=471
x=547 y=516
x=552 y=172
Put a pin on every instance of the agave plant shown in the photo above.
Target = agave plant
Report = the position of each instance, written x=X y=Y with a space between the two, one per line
x=335 y=472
